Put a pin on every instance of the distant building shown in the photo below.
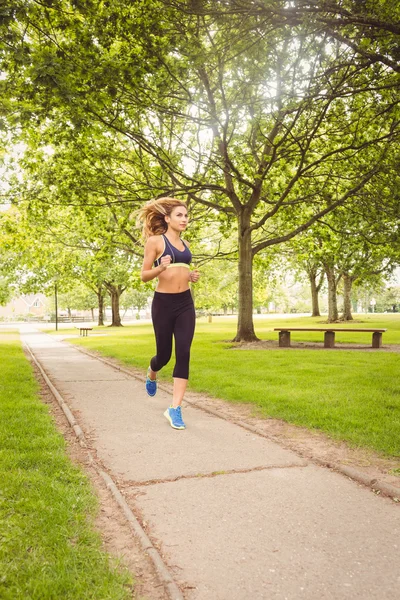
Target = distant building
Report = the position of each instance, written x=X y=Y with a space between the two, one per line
x=26 y=305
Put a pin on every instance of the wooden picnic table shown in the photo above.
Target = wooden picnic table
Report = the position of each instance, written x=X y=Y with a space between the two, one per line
x=83 y=331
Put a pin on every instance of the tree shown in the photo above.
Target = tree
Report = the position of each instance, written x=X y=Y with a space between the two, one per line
x=62 y=247
x=390 y=299
x=367 y=237
x=304 y=256
x=78 y=297
x=316 y=278
x=5 y=291
x=351 y=247
x=216 y=290
x=252 y=115
x=136 y=298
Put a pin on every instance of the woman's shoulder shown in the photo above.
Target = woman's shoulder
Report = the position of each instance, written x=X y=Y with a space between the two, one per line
x=186 y=243
x=154 y=240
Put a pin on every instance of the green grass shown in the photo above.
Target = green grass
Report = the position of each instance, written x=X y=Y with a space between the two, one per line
x=49 y=548
x=350 y=394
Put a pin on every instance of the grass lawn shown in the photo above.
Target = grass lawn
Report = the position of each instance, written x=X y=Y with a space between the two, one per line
x=350 y=394
x=49 y=548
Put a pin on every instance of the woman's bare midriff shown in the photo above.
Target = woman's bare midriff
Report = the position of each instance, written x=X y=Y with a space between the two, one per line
x=173 y=280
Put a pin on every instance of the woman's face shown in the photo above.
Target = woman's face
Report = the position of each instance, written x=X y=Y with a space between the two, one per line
x=178 y=219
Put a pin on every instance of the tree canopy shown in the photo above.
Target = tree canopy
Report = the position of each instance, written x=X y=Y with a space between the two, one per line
x=264 y=116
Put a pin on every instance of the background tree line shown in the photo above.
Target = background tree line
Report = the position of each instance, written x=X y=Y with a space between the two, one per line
x=278 y=123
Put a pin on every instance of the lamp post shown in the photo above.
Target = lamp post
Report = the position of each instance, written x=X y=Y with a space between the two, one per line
x=55 y=298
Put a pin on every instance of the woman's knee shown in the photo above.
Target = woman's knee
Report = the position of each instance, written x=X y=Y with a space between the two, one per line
x=160 y=360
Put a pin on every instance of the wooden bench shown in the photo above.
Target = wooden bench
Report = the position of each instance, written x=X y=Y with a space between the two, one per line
x=83 y=331
x=329 y=338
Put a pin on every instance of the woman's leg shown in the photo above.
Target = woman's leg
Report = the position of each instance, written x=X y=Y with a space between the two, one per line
x=183 y=333
x=180 y=386
x=163 y=324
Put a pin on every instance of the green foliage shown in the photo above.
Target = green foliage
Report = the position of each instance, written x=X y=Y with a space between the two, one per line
x=6 y=291
x=267 y=117
x=136 y=298
x=216 y=290
x=78 y=298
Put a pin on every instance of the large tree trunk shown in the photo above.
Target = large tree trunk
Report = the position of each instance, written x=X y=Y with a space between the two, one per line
x=100 y=300
x=115 y=293
x=333 y=314
x=314 y=298
x=312 y=275
x=347 y=285
x=245 y=328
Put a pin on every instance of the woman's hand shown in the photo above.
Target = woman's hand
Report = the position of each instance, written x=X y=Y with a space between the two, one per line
x=194 y=276
x=164 y=262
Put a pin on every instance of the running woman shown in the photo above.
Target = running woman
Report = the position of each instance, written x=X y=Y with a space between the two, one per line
x=168 y=257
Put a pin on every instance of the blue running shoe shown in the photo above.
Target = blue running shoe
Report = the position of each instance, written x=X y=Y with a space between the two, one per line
x=151 y=385
x=174 y=416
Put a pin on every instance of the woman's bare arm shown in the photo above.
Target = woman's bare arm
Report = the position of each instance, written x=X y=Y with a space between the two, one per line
x=193 y=275
x=151 y=251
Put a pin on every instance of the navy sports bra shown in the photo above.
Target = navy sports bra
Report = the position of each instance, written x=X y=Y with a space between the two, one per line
x=179 y=258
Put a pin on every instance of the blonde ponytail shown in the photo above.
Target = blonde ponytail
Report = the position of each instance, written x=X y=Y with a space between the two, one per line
x=152 y=216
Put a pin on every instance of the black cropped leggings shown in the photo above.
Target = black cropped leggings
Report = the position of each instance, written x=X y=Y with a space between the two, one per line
x=173 y=315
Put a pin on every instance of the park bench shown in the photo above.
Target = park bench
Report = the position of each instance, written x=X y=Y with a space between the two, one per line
x=329 y=337
x=83 y=331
